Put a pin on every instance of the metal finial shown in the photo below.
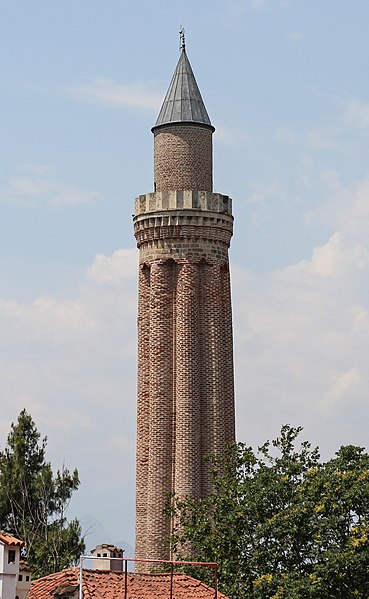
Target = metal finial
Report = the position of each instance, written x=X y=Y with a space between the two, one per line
x=182 y=38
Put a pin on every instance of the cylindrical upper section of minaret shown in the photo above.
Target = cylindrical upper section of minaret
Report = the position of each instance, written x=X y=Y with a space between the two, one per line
x=183 y=157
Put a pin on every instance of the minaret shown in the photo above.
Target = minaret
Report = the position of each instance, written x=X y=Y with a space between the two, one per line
x=185 y=347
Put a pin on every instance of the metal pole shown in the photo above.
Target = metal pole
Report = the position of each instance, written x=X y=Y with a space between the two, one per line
x=147 y=561
x=171 y=580
x=125 y=579
x=80 y=578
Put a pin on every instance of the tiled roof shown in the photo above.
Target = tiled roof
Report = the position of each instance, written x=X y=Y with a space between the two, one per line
x=109 y=546
x=102 y=584
x=8 y=539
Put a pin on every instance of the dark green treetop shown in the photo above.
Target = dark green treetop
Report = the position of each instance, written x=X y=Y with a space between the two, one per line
x=33 y=501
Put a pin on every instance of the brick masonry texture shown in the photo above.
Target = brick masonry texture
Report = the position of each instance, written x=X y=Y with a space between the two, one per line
x=185 y=342
x=185 y=359
x=185 y=401
x=183 y=158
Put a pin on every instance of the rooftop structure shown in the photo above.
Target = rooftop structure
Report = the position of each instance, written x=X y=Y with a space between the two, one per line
x=110 y=557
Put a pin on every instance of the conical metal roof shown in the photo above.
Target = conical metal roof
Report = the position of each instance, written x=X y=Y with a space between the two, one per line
x=183 y=102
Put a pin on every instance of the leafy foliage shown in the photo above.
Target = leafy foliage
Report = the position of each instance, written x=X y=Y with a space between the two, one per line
x=282 y=524
x=33 y=500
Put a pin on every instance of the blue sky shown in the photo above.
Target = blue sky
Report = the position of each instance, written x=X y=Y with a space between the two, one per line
x=286 y=86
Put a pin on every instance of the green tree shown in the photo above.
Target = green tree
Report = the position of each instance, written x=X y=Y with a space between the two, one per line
x=33 y=501
x=281 y=523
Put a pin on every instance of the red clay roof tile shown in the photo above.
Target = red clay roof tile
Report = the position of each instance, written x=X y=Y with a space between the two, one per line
x=102 y=584
x=8 y=539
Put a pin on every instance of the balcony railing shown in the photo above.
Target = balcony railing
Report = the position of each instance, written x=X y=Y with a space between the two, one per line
x=172 y=565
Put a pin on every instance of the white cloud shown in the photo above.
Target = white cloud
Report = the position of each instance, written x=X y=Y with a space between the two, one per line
x=71 y=363
x=239 y=7
x=41 y=186
x=360 y=318
x=114 y=269
x=326 y=139
x=342 y=389
x=60 y=334
x=226 y=135
x=258 y=4
x=353 y=216
x=38 y=169
x=45 y=319
x=110 y=93
x=295 y=36
x=331 y=259
x=305 y=170
x=345 y=207
x=356 y=114
x=261 y=197
x=301 y=335
x=286 y=135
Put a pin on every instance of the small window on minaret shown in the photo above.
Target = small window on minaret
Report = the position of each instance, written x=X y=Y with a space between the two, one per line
x=11 y=556
x=20 y=577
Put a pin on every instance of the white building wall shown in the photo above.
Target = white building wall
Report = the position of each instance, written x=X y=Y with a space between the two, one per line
x=8 y=571
x=23 y=586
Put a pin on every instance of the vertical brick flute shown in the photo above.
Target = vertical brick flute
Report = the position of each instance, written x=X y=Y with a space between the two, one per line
x=185 y=345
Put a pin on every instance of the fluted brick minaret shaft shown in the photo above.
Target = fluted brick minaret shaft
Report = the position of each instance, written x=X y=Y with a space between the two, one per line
x=185 y=348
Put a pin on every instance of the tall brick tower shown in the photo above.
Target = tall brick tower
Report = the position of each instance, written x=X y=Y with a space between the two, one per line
x=185 y=347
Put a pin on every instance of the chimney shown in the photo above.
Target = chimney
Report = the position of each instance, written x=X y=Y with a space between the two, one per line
x=110 y=553
x=24 y=580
